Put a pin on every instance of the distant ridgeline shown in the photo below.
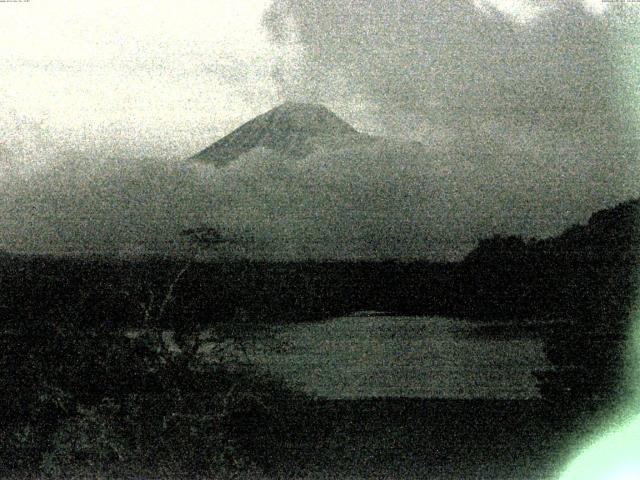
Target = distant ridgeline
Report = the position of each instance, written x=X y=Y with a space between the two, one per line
x=584 y=276
x=578 y=274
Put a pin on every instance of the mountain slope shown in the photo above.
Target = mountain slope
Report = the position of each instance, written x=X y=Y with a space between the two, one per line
x=292 y=129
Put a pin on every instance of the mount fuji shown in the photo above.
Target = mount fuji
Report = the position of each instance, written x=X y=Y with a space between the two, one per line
x=291 y=129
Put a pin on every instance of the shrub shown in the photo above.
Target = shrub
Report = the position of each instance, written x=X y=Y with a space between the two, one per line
x=95 y=400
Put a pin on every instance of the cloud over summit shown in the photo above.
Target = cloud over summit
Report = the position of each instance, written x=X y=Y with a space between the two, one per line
x=526 y=115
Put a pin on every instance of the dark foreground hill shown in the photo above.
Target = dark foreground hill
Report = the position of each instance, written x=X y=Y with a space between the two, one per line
x=584 y=278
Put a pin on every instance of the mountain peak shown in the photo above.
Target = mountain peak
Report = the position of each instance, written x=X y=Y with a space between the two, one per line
x=301 y=108
x=309 y=117
x=289 y=129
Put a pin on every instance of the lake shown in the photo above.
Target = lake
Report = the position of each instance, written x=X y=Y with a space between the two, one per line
x=392 y=356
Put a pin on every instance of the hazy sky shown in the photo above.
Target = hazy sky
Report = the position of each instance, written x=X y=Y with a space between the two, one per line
x=528 y=109
x=163 y=76
x=156 y=77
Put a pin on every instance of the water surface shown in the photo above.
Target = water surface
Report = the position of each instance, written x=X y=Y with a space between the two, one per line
x=388 y=356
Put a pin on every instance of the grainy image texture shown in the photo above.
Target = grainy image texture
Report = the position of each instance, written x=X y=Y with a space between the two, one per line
x=319 y=239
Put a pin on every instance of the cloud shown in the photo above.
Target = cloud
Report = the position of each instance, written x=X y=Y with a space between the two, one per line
x=527 y=11
x=545 y=80
x=596 y=7
x=376 y=199
x=135 y=77
x=445 y=59
x=527 y=127
x=521 y=11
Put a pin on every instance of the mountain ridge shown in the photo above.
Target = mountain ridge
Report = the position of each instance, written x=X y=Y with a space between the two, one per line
x=292 y=129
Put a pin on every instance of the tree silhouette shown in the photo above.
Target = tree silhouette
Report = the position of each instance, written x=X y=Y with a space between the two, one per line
x=205 y=237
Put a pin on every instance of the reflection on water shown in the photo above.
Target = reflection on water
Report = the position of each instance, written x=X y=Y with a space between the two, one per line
x=429 y=357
